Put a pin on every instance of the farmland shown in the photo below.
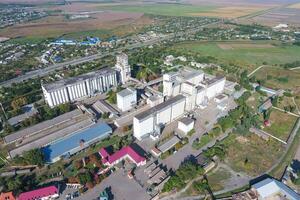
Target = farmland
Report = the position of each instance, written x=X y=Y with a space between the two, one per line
x=245 y=54
x=189 y=10
x=54 y=26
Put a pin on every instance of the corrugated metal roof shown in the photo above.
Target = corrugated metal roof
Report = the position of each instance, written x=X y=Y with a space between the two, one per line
x=72 y=144
x=40 y=126
x=169 y=144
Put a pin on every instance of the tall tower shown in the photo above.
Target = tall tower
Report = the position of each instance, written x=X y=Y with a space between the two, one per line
x=123 y=67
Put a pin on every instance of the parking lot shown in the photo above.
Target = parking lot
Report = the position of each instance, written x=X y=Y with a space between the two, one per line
x=121 y=187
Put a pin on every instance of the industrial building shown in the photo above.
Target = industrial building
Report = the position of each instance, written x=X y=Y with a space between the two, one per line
x=150 y=121
x=185 y=90
x=193 y=84
x=72 y=89
x=267 y=189
x=123 y=67
x=126 y=99
x=76 y=142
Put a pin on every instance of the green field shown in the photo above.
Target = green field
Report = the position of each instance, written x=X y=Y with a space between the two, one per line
x=162 y=9
x=249 y=54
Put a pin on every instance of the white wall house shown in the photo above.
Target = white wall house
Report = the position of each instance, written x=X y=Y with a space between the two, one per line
x=126 y=99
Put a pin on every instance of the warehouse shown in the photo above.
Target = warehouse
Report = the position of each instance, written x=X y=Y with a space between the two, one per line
x=147 y=122
x=76 y=142
x=42 y=127
x=72 y=89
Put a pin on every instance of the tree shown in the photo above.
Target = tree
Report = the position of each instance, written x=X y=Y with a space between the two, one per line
x=85 y=178
x=14 y=184
x=34 y=157
x=237 y=87
x=17 y=103
x=226 y=123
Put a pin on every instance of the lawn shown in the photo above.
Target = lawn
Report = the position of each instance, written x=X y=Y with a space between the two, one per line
x=248 y=54
x=281 y=124
x=162 y=9
x=250 y=154
x=216 y=180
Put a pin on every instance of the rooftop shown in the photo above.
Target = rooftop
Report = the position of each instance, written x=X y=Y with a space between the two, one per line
x=120 y=154
x=126 y=92
x=40 y=126
x=270 y=187
x=76 y=142
x=39 y=193
x=29 y=111
x=80 y=78
x=169 y=144
x=186 y=120
x=214 y=80
x=159 y=107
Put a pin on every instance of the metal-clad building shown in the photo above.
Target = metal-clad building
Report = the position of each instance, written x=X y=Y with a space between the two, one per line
x=76 y=142
x=74 y=88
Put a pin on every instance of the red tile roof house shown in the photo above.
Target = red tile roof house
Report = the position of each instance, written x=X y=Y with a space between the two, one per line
x=7 y=196
x=125 y=152
x=46 y=193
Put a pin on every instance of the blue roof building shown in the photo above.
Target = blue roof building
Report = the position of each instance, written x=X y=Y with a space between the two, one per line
x=76 y=142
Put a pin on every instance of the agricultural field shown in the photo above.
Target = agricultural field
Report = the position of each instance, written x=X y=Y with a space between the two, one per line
x=250 y=154
x=278 y=77
x=204 y=9
x=54 y=26
x=243 y=53
x=281 y=124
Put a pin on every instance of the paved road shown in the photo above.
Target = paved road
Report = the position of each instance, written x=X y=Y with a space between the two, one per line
x=52 y=68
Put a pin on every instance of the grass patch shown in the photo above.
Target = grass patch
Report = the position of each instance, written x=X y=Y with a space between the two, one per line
x=287 y=159
x=277 y=77
x=248 y=56
x=281 y=124
x=162 y=9
x=215 y=179
x=206 y=138
x=250 y=154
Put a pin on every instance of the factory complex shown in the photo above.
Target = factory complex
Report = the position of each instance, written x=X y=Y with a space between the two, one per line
x=184 y=90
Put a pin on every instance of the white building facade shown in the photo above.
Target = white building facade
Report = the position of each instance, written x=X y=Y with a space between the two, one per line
x=185 y=90
x=123 y=68
x=72 y=89
x=149 y=121
x=126 y=99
